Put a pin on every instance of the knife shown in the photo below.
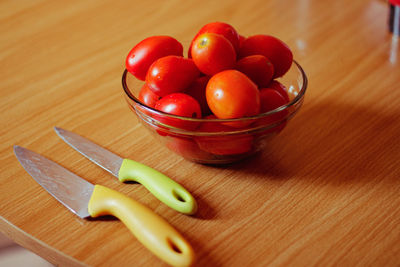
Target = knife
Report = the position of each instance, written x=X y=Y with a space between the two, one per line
x=161 y=186
x=88 y=200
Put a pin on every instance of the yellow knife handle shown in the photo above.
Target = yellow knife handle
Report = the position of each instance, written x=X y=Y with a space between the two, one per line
x=161 y=186
x=149 y=228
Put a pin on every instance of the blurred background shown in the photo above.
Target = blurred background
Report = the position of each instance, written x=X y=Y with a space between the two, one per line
x=12 y=254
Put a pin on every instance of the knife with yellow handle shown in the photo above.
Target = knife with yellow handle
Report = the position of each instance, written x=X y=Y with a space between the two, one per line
x=161 y=186
x=88 y=200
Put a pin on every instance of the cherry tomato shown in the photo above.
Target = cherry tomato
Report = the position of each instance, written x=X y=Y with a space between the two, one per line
x=272 y=48
x=198 y=91
x=270 y=100
x=147 y=97
x=147 y=51
x=280 y=88
x=178 y=104
x=231 y=94
x=186 y=147
x=171 y=74
x=258 y=68
x=241 y=40
x=221 y=28
x=222 y=145
x=213 y=53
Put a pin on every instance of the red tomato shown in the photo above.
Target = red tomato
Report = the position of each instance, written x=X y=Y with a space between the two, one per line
x=149 y=50
x=186 y=147
x=213 y=53
x=272 y=48
x=178 y=104
x=221 y=28
x=231 y=94
x=222 y=145
x=171 y=74
x=241 y=40
x=280 y=88
x=270 y=100
x=258 y=68
x=147 y=97
x=198 y=91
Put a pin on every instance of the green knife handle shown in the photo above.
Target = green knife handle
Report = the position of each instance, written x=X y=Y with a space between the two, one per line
x=161 y=186
x=150 y=229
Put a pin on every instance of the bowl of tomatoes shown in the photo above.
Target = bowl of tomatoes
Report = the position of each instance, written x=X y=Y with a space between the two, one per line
x=224 y=101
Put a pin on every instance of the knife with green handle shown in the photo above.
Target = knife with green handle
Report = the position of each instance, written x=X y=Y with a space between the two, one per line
x=161 y=186
x=88 y=200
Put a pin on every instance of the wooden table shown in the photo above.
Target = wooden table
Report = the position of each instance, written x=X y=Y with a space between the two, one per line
x=327 y=192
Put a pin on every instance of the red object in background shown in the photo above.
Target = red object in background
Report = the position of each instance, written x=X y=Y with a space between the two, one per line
x=394 y=17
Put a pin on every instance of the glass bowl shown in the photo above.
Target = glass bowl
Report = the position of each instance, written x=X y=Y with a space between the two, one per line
x=229 y=140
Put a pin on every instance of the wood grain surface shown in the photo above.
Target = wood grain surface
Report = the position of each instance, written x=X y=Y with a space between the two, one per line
x=326 y=192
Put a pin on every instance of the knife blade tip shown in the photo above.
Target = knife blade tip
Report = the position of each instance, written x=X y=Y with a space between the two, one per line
x=18 y=150
x=59 y=131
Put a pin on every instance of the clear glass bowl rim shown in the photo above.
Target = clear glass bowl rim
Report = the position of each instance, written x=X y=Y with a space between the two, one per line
x=250 y=118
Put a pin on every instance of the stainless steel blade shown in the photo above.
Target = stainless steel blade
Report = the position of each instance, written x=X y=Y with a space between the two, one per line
x=71 y=190
x=101 y=156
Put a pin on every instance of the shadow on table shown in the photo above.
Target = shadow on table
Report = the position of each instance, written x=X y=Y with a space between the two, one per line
x=342 y=142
